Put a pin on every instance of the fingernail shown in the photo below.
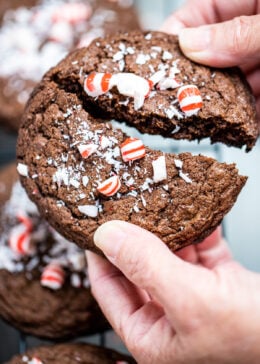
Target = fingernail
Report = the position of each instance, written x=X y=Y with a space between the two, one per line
x=195 y=40
x=109 y=237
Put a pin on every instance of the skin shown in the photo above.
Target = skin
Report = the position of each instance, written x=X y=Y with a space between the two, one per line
x=221 y=33
x=198 y=305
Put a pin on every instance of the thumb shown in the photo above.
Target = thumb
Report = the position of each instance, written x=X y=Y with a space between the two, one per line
x=148 y=263
x=226 y=44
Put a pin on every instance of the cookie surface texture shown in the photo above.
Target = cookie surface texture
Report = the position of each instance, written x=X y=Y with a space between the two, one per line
x=81 y=172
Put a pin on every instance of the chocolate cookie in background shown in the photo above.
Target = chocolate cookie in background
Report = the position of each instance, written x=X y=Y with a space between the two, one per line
x=81 y=172
x=35 y=35
x=44 y=287
x=71 y=354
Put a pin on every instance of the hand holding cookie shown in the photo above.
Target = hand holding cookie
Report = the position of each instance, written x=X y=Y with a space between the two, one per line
x=168 y=310
x=223 y=35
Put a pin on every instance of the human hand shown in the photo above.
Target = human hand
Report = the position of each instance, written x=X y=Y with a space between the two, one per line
x=167 y=310
x=221 y=33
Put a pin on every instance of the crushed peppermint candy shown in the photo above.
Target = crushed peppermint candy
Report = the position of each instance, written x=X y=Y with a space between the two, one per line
x=179 y=164
x=190 y=99
x=128 y=84
x=159 y=169
x=167 y=55
x=110 y=186
x=185 y=177
x=89 y=210
x=22 y=169
x=20 y=240
x=53 y=276
x=85 y=181
x=87 y=149
x=142 y=58
x=132 y=149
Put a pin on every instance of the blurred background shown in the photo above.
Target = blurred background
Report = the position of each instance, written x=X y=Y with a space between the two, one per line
x=241 y=226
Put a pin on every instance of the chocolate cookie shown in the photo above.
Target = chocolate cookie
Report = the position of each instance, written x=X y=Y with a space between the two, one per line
x=44 y=287
x=36 y=34
x=71 y=354
x=151 y=85
x=80 y=172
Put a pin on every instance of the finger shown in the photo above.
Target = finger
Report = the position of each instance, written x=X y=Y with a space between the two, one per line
x=209 y=253
x=149 y=264
x=189 y=254
x=207 y=45
x=208 y=12
x=254 y=80
x=114 y=293
x=132 y=317
x=214 y=251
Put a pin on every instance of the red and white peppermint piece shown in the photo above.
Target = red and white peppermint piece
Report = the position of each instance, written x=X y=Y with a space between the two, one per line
x=132 y=149
x=190 y=99
x=159 y=169
x=129 y=84
x=20 y=240
x=35 y=360
x=110 y=186
x=24 y=219
x=97 y=84
x=53 y=276
x=72 y=13
x=87 y=149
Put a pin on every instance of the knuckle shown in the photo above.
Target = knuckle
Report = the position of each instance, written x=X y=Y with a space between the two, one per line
x=241 y=37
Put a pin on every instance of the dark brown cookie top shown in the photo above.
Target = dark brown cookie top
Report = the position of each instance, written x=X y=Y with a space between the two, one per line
x=227 y=113
x=44 y=287
x=72 y=354
x=47 y=31
x=180 y=198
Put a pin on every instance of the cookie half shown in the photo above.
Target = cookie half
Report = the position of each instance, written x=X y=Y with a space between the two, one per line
x=81 y=172
x=71 y=354
x=44 y=287
x=36 y=34
x=151 y=85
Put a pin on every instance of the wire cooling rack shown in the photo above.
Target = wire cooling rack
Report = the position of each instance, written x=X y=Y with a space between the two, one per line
x=23 y=344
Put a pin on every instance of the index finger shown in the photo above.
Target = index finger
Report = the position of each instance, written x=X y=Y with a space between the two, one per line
x=200 y=12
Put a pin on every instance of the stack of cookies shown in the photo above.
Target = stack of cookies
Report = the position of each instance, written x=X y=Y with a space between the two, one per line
x=44 y=286
x=36 y=34
x=79 y=171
